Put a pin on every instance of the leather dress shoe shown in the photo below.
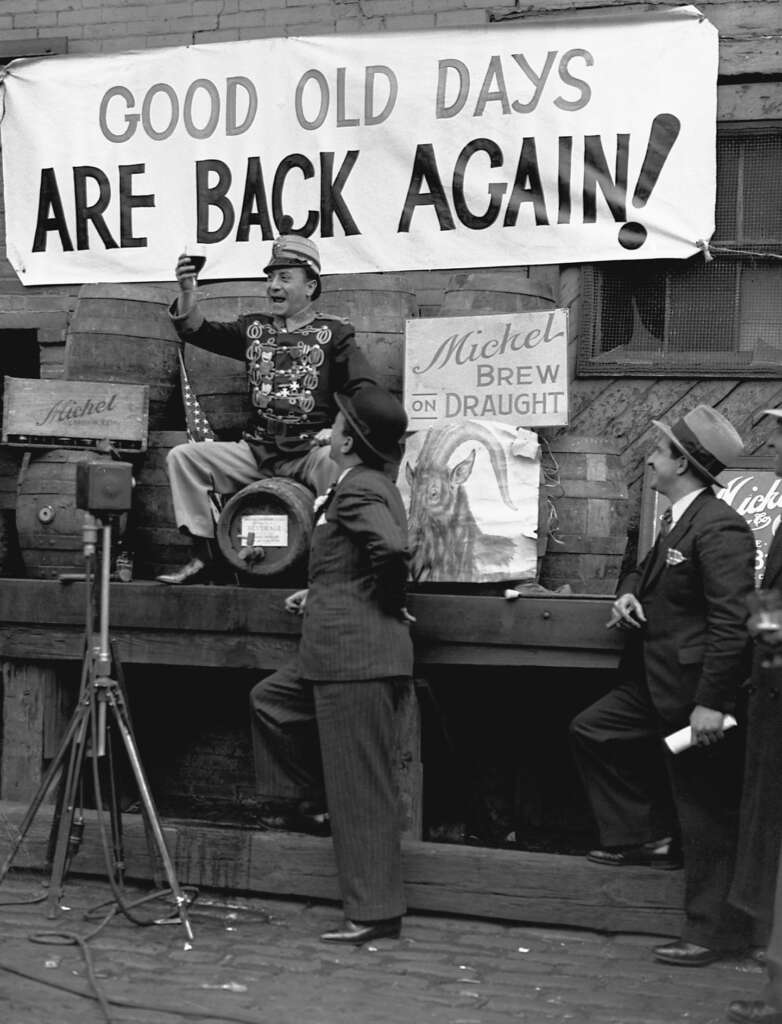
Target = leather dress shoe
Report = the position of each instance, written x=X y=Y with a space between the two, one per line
x=196 y=571
x=748 y=1011
x=687 y=954
x=358 y=932
x=659 y=853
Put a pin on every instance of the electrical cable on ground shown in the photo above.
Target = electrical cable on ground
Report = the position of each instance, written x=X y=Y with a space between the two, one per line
x=119 y=904
x=74 y=988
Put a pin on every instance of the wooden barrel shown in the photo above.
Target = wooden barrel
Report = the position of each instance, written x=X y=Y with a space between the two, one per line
x=377 y=305
x=153 y=539
x=220 y=384
x=122 y=333
x=264 y=530
x=496 y=292
x=48 y=524
x=587 y=536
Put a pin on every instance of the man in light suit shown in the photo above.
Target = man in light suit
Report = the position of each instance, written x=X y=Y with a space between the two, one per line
x=757 y=877
x=684 y=609
x=324 y=724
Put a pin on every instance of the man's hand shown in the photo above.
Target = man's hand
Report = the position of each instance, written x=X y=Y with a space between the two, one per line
x=763 y=634
x=296 y=602
x=322 y=438
x=707 y=725
x=406 y=616
x=186 y=276
x=626 y=613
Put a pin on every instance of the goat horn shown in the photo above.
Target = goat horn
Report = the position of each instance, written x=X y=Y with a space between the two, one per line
x=445 y=440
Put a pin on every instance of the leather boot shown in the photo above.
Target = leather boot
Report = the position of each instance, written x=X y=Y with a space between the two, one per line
x=198 y=570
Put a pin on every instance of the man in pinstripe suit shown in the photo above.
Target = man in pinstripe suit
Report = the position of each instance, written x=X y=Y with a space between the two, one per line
x=323 y=725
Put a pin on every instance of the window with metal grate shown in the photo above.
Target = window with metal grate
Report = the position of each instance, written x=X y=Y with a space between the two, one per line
x=693 y=317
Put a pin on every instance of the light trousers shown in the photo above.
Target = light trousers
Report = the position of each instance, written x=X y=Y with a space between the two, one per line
x=195 y=468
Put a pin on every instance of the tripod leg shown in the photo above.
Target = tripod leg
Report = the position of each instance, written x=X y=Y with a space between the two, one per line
x=104 y=779
x=71 y=784
x=58 y=804
x=122 y=702
x=151 y=820
x=74 y=728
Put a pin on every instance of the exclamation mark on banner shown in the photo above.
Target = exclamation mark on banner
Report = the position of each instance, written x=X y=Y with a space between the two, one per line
x=665 y=131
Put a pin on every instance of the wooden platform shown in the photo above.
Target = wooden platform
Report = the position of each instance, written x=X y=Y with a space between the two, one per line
x=537 y=888
x=42 y=625
x=245 y=627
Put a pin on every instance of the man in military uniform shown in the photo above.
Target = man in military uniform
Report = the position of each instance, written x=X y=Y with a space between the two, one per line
x=296 y=359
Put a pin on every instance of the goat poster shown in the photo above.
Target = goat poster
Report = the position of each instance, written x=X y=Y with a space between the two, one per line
x=471 y=489
x=502 y=366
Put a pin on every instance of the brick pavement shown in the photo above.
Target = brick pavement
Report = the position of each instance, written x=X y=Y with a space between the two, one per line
x=257 y=959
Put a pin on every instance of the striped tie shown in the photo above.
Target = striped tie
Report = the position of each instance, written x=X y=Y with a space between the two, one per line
x=666 y=521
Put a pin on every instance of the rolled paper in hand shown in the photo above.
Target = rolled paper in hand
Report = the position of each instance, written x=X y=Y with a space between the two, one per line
x=682 y=738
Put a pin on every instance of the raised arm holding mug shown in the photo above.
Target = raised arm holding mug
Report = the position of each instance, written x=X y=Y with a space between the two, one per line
x=684 y=610
x=296 y=358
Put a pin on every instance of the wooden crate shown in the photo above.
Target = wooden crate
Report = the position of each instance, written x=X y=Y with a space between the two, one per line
x=75 y=414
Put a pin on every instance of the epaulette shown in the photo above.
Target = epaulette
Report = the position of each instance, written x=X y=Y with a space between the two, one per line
x=333 y=316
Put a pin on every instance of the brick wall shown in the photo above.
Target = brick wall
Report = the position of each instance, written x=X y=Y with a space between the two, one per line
x=750 y=29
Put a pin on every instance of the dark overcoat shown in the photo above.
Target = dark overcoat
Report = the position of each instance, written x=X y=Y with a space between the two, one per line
x=760 y=830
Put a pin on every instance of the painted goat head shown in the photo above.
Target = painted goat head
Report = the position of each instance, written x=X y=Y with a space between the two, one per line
x=445 y=538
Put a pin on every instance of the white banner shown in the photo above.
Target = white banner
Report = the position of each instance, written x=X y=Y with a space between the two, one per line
x=504 y=366
x=544 y=142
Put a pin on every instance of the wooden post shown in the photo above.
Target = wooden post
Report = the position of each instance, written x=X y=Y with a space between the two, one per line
x=408 y=769
x=28 y=690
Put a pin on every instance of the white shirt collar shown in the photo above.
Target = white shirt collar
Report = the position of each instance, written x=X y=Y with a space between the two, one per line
x=678 y=508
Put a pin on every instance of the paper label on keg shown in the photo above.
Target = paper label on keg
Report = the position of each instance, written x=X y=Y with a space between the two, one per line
x=264 y=531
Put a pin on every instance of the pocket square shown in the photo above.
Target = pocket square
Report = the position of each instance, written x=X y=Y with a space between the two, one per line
x=674 y=557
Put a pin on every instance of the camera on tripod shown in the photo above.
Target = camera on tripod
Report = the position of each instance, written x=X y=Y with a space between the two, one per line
x=104 y=488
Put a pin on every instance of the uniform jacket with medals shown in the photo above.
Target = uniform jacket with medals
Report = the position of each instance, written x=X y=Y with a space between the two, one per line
x=291 y=374
x=693 y=586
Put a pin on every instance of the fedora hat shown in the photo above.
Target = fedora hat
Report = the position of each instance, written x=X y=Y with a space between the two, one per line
x=707 y=440
x=293 y=250
x=378 y=420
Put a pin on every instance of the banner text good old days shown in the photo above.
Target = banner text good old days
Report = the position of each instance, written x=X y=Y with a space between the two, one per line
x=506 y=145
